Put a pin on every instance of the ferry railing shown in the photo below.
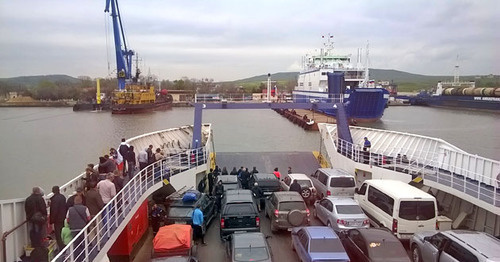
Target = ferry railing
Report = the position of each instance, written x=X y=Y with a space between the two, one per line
x=427 y=168
x=87 y=243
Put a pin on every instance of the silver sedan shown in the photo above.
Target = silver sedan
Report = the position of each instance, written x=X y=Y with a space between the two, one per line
x=340 y=213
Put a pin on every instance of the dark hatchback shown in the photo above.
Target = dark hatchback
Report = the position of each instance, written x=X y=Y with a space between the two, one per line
x=269 y=183
x=373 y=244
x=180 y=212
x=238 y=213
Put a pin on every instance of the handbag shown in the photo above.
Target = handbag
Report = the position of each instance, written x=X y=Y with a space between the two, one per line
x=38 y=218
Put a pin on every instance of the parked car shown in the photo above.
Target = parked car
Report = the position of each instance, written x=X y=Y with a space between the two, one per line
x=228 y=181
x=286 y=209
x=173 y=243
x=340 y=213
x=308 y=192
x=333 y=182
x=175 y=259
x=402 y=208
x=317 y=243
x=249 y=247
x=269 y=183
x=373 y=244
x=180 y=211
x=238 y=213
x=454 y=245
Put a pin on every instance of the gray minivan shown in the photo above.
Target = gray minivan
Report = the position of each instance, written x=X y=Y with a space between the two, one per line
x=333 y=182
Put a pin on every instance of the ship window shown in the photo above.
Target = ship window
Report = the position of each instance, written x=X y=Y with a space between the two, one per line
x=323 y=73
x=301 y=84
x=310 y=84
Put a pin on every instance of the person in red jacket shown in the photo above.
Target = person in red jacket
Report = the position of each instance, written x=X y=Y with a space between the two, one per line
x=277 y=173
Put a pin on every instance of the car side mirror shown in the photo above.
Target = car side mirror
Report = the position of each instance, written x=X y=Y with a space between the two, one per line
x=356 y=191
x=428 y=238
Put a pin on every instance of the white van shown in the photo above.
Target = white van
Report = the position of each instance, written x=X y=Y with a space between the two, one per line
x=333 y=182
x=400 y=207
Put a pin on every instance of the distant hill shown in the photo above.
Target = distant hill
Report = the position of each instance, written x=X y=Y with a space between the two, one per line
x=32 y=81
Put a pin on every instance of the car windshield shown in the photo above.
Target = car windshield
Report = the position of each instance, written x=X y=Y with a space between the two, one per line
x=383 y=250
x=238 y=209
x=304 y=183
x=287 y=206
x=417 y=210
x=250 y=254
x=326 y=245
x=342 y=182
x=348 y=209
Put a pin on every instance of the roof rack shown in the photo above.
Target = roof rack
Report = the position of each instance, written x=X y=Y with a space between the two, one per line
x=178 y=194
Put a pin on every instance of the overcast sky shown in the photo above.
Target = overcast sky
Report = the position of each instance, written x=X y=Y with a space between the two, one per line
x=230 y=40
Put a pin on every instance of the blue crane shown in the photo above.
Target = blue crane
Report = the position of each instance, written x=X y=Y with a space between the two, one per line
x=123 y=56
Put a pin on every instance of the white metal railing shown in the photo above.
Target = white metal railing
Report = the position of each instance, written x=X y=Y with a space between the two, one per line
x=87 y=244
x=428 y=168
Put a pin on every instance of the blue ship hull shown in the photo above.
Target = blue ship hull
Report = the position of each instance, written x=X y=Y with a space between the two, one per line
x=362 y=104
x=463 y=102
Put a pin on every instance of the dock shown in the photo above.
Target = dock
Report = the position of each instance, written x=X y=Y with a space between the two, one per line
x=307 y=119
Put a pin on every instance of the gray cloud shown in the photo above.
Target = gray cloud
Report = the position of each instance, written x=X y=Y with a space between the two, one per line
x=228 y=40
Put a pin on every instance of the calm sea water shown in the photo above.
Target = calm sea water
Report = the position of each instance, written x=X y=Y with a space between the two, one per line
x=49 y=146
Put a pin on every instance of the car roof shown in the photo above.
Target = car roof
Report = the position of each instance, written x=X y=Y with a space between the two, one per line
x=265 y=176
x=399 y=189
x=319 y=232
x=482 y=242
x=376 y=235
x=255 y=239
x=227 y=178
x=339 y=172
x=299 y=176
x=288 y=195
x=342 y=200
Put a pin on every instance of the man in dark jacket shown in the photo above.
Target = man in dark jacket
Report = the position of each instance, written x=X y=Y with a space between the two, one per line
x=211 y=179
x=57 y=214
x=130 y=157
x=36 y=214
x=123 y=150
x=219 y=191
x=259 y=195
x=93 y=200
x=295 y=186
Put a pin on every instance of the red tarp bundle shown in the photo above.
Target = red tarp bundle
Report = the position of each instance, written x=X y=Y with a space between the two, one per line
x=173 y=239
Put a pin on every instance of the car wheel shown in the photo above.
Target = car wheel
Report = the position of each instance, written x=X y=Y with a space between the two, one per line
x=306 y=193
x=416 y=256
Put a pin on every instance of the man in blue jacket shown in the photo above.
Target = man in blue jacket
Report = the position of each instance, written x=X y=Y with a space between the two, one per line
x=197 y=219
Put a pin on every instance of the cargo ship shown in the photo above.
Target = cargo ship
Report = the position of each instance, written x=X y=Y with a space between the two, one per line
x=365 y=101
x=460 y=94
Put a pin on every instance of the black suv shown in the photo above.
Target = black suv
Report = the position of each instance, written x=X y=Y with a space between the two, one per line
x=269 y=183
x=180 y=212
x=238 y=213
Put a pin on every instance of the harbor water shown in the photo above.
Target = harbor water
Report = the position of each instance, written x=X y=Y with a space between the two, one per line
x=49 y=146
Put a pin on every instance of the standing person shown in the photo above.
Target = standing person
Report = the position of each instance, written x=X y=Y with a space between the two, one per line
x=151 y=156
x=254 y=170
x=117 y=159
x=289 y=170
x=245 y=176
x=258 y=194
x=142 y=158
x=219 y=191
x=118 y=180
x=234 y=172
x=157 y=215
x=78 y=216
x=216 y=171
x=367 y=144
x=211 y=179
x=158 y=155
x=90 y=176
x=202 y=184
x=197 y=219
x=277 y=173
x=131 y=162
x=94 y=200
x=36 y=214
x=58 y=214
x=123 y=151
x=240 y=172
x=295 y=186
x=106 y=188
x=71 y=200
x=224 y=171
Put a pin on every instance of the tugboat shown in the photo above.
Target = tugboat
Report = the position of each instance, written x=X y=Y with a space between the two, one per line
x=131 y=96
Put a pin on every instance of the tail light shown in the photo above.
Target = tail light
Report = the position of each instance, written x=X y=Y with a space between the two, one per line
x=328 y=193
x=366 y=222
x=257 y=221
x=437 y=225
x=394 y=226
x=222 y=223
x=307 y=211
x=340 y=221
x=276 y=212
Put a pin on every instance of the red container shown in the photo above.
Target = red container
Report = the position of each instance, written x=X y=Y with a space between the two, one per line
x=122 y=249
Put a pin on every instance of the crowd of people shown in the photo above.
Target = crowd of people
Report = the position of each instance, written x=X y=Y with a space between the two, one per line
x=69 y=216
